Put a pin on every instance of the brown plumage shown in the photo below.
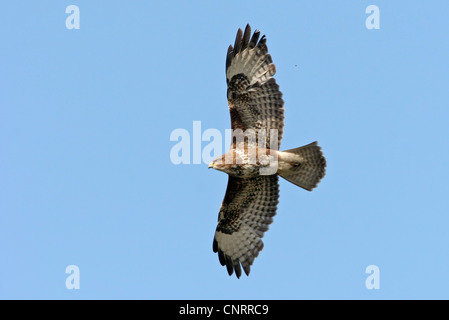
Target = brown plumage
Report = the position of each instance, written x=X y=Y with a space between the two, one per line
x=254 y=161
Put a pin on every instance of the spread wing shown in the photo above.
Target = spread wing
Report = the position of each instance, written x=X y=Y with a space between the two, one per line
x=245 y=214
x=254 y=99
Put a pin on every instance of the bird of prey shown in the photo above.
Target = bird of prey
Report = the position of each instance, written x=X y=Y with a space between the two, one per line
x=254 y=162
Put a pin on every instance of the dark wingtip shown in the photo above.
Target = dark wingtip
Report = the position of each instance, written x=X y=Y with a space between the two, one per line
x=244 y=40
x=238 y=270
x=238 y=41
x=246 y=36
x=229 y=265
x=227 y=261
x=247 y=269
x=254 y=39
x=221 y=258
x=229 y=56
x=230 y=49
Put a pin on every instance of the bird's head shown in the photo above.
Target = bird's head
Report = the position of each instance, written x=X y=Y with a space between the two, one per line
x=218 y=164
x=227 y=163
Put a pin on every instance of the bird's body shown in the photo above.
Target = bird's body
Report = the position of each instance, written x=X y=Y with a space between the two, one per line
x=245 y=162
x=254 y=161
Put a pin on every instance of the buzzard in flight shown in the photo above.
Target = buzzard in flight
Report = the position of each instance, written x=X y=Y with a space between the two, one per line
x=254 y=161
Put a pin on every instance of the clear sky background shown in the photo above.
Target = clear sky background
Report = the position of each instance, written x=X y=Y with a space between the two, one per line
x=86 y=177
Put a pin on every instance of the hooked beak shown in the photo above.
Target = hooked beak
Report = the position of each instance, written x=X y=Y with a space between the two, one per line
x=211 y=165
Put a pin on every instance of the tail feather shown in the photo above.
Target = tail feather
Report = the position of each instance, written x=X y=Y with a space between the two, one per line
x=306 y=166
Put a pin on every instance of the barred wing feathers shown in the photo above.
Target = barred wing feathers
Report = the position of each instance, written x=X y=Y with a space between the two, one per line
x=254 y=99
x=245 y=214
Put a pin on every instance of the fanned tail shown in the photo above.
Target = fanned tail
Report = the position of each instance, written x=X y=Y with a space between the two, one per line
x=306 y=166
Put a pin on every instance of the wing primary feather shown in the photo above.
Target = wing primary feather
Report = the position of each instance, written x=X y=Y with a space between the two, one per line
x=229 y=57
x=230 y=48
x=262 y=41
x=246 y=36
x=254 y=39
x=229 y=265
x=221 y=258
x=246 y=268
x=238 y=270
x=238 y=41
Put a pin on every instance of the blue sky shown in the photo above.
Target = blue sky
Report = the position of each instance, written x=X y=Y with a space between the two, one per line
x=85 y=170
